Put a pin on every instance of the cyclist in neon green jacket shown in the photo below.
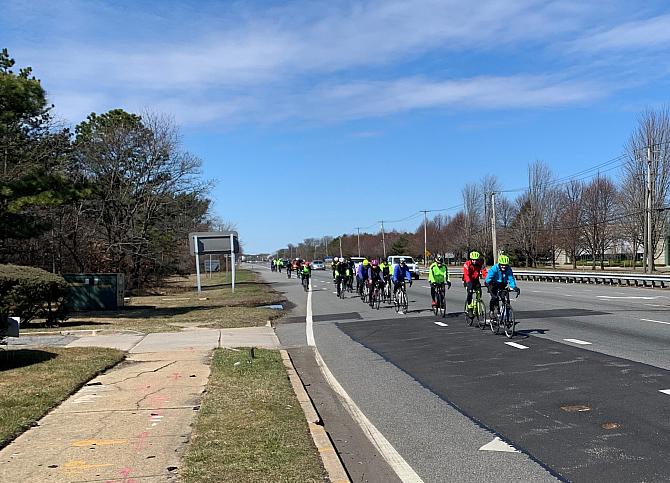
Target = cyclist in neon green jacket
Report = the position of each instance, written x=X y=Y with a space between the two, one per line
x=437 y=274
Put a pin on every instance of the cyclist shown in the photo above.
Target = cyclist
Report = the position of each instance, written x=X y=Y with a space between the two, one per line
x=437 y=275
x=362 y=275
x=375 y=277
x=333 y=267
x=400 y=275
x=351 y=274
x=341 y=270
x=499 y=277
x=473 y=269
x=289 y=268
x=386 y=270
x=306 y=271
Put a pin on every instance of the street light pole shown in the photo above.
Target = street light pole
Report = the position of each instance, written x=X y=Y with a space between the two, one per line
x=650 y=249
x=493 y=228
x=358 y=229
x=383 y=239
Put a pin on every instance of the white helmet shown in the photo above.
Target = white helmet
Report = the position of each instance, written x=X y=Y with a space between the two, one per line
x=336 y=259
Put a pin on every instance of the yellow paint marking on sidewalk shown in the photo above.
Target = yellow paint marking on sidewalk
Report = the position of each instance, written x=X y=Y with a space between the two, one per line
x=80 y=465
x=98 y=442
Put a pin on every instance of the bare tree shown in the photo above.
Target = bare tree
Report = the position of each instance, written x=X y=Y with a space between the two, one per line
x=600 y=203
x=570 y=219
x=648 y=148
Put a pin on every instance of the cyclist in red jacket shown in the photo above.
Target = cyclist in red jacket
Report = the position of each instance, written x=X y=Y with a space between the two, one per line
x=473 y=270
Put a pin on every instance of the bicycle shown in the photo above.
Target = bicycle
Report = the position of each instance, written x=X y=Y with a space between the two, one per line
x=440 y=300
x=504 y=316
x=388 y=292
x=364 y=291
x=401 y=303
x=341 y=289
x=305 y=282
x=288 y=272
x=375 y=300
x=476 y=310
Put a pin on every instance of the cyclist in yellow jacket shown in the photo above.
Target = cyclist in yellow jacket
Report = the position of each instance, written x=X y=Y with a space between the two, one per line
x=438 y=274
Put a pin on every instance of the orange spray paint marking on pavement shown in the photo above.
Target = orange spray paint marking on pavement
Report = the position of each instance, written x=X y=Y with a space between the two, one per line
x=97 y=442
x=80 y=465
x=175 y=376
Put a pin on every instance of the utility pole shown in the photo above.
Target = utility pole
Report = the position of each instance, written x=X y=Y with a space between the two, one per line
x=383 y=239
x=340 y=247
x=650 y=249
x=425 y=238
x=493 y=228
x=358 y=229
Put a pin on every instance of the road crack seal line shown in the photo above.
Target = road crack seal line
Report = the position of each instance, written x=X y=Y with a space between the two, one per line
x=141 y=374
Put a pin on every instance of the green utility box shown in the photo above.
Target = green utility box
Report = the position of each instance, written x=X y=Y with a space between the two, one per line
x=95 y=291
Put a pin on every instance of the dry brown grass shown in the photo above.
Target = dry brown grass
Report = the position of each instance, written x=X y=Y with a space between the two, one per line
x=177 y=305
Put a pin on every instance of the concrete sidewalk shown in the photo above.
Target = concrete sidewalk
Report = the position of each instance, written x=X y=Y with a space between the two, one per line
x=133 y=423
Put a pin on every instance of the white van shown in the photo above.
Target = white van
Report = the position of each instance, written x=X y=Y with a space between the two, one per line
x=357 y=261
x=409 y=261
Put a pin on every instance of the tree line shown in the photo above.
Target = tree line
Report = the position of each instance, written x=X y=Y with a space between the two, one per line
x=118 y=193
x=588 y=215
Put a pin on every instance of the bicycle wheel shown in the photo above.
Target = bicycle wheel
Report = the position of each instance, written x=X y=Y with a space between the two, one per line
x=510 y=322
x=405 y=302
x=443 y=304
x=341 y=288
x=493 y=320
x=500 y=320
x=481 y=314
x=378 y=298
x=397 y=303
x=468 y=314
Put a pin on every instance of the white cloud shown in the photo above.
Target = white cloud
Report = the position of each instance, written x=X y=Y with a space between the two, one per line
x=641 y=34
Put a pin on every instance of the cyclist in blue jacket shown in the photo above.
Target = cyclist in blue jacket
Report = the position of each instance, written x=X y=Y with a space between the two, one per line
x=401 y=273
x=498 y=278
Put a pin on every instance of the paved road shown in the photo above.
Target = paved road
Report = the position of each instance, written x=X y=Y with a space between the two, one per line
x=577 y=411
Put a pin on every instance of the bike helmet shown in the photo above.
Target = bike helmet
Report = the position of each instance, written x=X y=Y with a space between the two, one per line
x=402 y=261
x=439 y=259
x=474 y=255
x=366 y=263
x=335 y=259
x=375 y=262
x=503 y=260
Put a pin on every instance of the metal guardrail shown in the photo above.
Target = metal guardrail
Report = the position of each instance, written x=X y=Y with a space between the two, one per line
x=598 y=278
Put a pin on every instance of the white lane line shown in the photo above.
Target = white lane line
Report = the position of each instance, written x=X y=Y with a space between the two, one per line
x=441 y=324
x=654 y=305
x=518 y=346
x=665 y=391
x=577 y=341
x=388 y=452
x=567 y=295
x=657 y=321
x=629 y=297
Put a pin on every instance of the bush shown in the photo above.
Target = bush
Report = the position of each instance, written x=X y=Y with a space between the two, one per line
x=30 y=293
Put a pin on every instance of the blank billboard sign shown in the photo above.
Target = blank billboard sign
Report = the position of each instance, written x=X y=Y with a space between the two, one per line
x=214 y=243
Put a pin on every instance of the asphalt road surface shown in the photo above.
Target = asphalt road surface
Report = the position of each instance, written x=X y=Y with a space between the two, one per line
x=579 y=394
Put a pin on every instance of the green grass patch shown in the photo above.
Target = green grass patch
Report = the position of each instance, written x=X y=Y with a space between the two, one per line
x=178 y=305
x=251 y=427
x=32 y=381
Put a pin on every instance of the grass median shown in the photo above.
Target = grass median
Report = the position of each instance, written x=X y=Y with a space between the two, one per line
x=177 y=305
x=32 y=381
x=251 y=427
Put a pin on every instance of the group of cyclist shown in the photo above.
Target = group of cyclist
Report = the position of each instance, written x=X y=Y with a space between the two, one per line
x=378 y=274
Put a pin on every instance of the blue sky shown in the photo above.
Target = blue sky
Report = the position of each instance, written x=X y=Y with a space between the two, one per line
x=302 y=111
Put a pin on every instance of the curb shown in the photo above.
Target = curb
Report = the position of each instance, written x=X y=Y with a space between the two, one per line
x=329 y=457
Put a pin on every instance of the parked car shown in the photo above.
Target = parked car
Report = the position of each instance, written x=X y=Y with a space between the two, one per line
x=318 y=265
x=409 y=261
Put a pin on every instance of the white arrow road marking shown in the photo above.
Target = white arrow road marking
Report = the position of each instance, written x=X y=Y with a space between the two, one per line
x=441 y=324
x=657 y=321
x=627 y=297
x=518 y=346
x=498 y=445
x=665 y=391
x=577 y=341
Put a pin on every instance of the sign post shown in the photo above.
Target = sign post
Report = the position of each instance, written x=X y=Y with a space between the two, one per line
x=197 y=263
x=214 y=243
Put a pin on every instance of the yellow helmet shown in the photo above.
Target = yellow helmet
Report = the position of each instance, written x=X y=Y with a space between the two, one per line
x=474 y=255
x=503 y=260
x=366 y=263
